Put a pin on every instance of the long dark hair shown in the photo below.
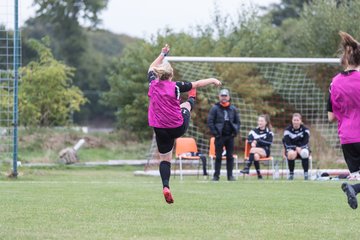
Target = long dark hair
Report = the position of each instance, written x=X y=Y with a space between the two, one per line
x=267 y=120
x=349 y=49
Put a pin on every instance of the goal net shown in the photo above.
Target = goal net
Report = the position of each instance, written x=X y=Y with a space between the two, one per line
x=9 y=64
x=275 y=86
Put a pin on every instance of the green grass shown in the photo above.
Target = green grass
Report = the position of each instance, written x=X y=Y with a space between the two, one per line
x=110 y=203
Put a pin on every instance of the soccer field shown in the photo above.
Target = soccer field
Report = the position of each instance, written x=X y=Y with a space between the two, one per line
x=110 y=203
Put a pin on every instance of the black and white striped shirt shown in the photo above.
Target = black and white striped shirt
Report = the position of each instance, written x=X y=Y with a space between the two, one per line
x=264 y=138
x=296 y=137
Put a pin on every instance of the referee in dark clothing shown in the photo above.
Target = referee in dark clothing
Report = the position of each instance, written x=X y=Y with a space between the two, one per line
x=224 y=124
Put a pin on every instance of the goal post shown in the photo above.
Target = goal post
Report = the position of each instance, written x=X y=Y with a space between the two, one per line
x=10 y=61
x=275 y=86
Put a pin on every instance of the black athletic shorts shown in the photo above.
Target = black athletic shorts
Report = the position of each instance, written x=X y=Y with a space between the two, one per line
x=352 y=156
x=267 y=151
x=165 y=137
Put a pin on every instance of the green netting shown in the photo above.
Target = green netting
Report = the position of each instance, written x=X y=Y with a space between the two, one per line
x=278 y=89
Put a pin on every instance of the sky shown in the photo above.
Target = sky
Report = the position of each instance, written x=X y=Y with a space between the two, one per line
x=143 y=18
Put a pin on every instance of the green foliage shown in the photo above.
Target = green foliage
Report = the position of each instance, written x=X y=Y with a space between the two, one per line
x=63 y=10
x=286 y=9
x=250 y=78
x=315 y=33
x=254 y=36
x=129 y=87
x=90 y=52
x=46 y=94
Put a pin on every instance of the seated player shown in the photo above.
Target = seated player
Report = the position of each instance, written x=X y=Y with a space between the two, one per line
x=260 y=139
x=166 y=115
x=296 y=143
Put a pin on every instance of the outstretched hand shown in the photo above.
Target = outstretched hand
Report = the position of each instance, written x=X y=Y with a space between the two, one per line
x=216 y=82
x=165 y=50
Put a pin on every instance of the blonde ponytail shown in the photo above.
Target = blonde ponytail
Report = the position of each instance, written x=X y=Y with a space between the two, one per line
x=164 y=71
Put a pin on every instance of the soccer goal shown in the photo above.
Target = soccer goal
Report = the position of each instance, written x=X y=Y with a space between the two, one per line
x=10 y=50
x=275 y=86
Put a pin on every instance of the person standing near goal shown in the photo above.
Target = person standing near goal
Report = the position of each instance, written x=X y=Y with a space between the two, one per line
x=260 y=139
x=166 y=115
x=224 y=124
x=344 y=107
x=296 y=143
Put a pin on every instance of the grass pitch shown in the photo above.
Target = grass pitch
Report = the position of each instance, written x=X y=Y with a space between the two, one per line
x=110 y=203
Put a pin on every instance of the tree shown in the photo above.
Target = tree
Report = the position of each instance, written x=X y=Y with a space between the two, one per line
x=316 y=32
x=46 y=94
x=128 y=87
x=64 y=18
x=286 y=9
x=60 y=10
x=89 y=50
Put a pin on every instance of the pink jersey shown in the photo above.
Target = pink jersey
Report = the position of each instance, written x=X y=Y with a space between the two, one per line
x=164 y=106
x=345 y=100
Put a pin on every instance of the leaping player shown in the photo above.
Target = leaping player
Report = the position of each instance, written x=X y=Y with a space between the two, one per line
x=166 y=115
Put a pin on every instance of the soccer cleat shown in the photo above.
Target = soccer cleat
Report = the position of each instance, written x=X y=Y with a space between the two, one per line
x=306 y=176
x=260 y=177
x=351 y=195
x=215 y=179
x=192 y=93
x=167 y=194
x=291 y=177
x=231 y=178
x=245 y=171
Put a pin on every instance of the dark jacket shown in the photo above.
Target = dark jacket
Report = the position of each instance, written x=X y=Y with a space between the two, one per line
x=264 y=138
x=216 y=119
x=296 y=137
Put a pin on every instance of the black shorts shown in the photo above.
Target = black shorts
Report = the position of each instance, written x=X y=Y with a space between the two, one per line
x=165 y=137
x=267 y=151
x=352 y=156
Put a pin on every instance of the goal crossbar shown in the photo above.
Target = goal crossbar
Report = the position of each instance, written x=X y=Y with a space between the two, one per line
x=253 y=60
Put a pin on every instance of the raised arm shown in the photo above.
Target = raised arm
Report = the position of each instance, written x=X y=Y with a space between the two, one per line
x=164 y=52
x=205 y=82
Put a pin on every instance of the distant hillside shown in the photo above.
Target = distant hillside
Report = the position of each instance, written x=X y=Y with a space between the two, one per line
x=90 y=51
x=107 y=42
x=102 y=41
